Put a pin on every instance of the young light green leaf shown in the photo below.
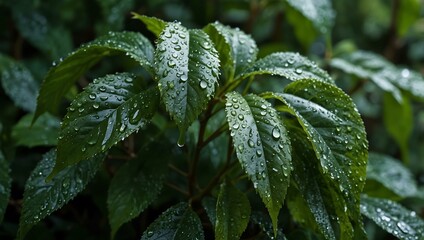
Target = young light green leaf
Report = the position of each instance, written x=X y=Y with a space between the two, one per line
x=62 y=76
x=292 y=66
x=393 y=218
x=383 y=73
x=236 y=49
x=107 y=111
x=41 y=198
x=398 y=120
x=43 y=132
x=232 y=213
x=262 y=147
x=187 y=67
x=136 y=185
x=179 y=222
x=336 y=132
x=5 y=184
x=18 y=83
x=319 y=12
x=391 y=174
x=155 y=25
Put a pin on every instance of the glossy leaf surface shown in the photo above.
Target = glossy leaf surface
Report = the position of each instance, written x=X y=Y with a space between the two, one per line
x=179 y=222
x=392 y=217
x=262 y=147
x=18 y=83
x=336 y=132
x=136 y=185
x=237 y=50
x=107 y=111
x=64 y=75
x=232 y=213
x=187 y=67
x=390 y=173
x=5 y=185
x=41 y=198
x=155 y=25
x=44 y=132
x=319 y=12
x=292 y=66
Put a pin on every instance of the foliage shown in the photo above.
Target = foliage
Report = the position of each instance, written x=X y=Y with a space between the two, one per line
x=177 y=128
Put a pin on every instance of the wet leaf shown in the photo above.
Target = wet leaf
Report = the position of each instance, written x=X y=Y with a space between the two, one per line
x=18 y=83
x=136 y=185
x=390 y=173
x=292 y=66
x=265 y=224
x=114 y=13
x=179 y=222
x=41 y=198
x=384 y=74
x=319 y=12
x=187 y=67
x=209 y=204
x=232 y=213
x=106 y=112
x=393 y=218
x=155 y=25
x=5 y=184
x=262 y=147
x=236 y=49
x=398 y=120
x=43 y=132
x=63 y=76
x=335 y=129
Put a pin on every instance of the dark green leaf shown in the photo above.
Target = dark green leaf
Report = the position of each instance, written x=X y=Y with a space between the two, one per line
x=237 y=50
x=398 y=120
x=383 y=73
x=155 y=25
x=41 y=198
x=136 y=185
x=336 y=132
x=392 y=217
x=5 y=184
x=179 y=222
x=62 y=77
x=262 y=147
x=319 y=12
x=408 y=13
x=187 y=67
x=265 y=224
x=391 y=174
x=232 y=213
x=114 y=12
x=18 y=83
x=292 y=66
x=209 y=204
x=43 y=132
x=107 y=111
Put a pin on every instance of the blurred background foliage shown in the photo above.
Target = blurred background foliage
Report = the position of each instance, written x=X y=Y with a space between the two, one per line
x=38 y=33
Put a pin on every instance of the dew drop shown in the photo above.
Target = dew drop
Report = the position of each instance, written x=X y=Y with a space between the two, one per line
x=203 y=84
x=240 y=117
x=122 y=128
x=236 y=126
x=276 y=133
x=96 y=105
x=250 y=143
x=92 y=96
x=102 y=88
x=298 y=71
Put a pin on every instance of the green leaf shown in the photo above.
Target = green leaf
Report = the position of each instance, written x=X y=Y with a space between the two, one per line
x=155 y=25
x=209 y=204
x=319 y=12
x=393 y=218
x=136 y=185
x=262 y=147
x=292 y=66
x=107 y=111
x=179 y=222
x=5 y=184
x=187 y=67
x=383 y=73
x=114 y=13
x=335 y=129
x=392 y=175
x=18 y=83
x=265 y=224
x=398 y=120
x=62 y=77
x=44 y=132
x=236 y=49
x=232 y=213
x=408 y=13
x=41 y=198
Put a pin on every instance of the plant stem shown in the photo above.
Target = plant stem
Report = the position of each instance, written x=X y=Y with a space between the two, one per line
x=215 y=134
